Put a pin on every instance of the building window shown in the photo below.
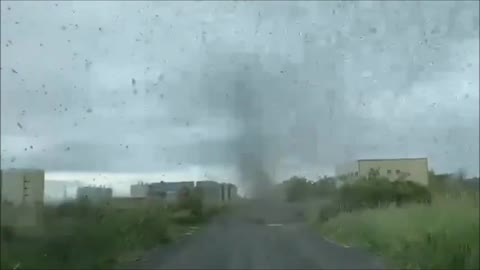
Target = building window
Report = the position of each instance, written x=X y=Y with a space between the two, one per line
x=397 y=171
x=389 y=171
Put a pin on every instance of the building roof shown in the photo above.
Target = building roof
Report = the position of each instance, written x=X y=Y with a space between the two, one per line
x=22 y=170
x=389 y=159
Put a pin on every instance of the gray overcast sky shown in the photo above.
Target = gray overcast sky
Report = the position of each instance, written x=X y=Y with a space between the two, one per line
x=197 y=88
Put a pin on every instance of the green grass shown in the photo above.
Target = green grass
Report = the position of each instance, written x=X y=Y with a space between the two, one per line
x=443 y=235
x=79 y=236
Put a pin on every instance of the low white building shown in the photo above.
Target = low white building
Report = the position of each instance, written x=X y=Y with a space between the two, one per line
x=216 y=192
x=95 y=193
x=139 y=190
x=165 y=190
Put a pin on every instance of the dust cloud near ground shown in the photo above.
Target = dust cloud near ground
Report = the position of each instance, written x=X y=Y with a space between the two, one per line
x=252 y=150
x=260 y=104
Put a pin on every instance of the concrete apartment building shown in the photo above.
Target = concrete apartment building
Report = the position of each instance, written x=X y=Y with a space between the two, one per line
x=229 y=192
x=165 y=190
x=95 y=193
x=212 y=191
x=22 y=196
x=139 y=190
x=412 y=169
x=23 y=186
x=215 y=192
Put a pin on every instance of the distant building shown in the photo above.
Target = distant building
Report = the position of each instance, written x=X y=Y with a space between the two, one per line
x=139 y=190
x=214 y=191
x=232 y=191
x=162 y=188
x=95 y=194
x=22 y=186
x=412 y=169
x=22 y=196
x=211 y=191
x=165 y=190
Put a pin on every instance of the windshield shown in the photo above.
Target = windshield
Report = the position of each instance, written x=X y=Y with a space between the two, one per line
x=164 y=114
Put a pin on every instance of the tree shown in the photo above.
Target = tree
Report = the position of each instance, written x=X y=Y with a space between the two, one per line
x=297 y=188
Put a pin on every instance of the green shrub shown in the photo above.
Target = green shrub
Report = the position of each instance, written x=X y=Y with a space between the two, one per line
x=443 y=235
x=377 y=191
x=407 y=192
x=328 y=211
x=191 y=200
x=372 y=192
x=83 y=236
x=7 y=234
x=297 y=188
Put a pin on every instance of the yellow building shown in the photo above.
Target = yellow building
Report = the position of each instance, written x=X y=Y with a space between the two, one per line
x=412 y=169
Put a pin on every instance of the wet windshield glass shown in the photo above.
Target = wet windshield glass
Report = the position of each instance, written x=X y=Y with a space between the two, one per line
x=130 y=125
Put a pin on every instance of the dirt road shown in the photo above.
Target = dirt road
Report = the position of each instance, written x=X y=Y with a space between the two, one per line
x=259 y=235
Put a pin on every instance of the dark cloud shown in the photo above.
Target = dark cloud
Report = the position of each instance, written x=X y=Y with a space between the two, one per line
x=258 y=86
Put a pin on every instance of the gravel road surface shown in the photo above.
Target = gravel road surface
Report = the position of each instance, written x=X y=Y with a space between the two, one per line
x=257 y=235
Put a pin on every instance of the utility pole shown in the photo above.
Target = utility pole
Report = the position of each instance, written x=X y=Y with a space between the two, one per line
x=222 y=186
x=64 y=193
x=25 y=189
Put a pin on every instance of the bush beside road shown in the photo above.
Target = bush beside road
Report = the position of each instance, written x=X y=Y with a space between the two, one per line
x=443 y=235
x=79 y=235
x=413 y=226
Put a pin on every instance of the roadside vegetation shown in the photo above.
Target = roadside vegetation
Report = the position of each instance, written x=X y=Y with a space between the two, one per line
x=82 y=235
x=414 y=227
